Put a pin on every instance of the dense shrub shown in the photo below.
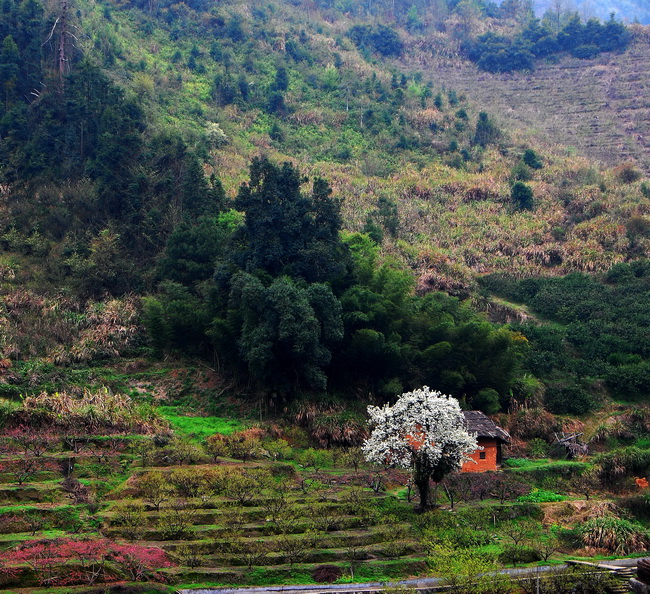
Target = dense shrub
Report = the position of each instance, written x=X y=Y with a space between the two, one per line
x=620 y=463
x=628 y=173
x=599 y=331
x=516 y=554
x=531 y=159
x=533 y=423
x=522 y=196
x=92 y=412
x=573 y=400
x=499 y=53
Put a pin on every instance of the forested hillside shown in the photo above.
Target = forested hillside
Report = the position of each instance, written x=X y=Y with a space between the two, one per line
x=627 y=10
x=127 y=140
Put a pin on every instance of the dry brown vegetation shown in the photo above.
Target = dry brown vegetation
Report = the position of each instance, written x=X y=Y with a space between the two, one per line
x=64 y=330
x=92 y=412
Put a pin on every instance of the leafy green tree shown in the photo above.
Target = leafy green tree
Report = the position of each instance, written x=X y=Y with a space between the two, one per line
x=522 y=196
x=130 y=518
x=177 y=185
x=158 y=328
x=487 y=400
x=486 y=132
x=176 y=318
x=281 y=82
x=224 y=89
x=104 y=268
x=287 y=231
x=282 y=339
x=569 y=399
x=118 y=145
x=393 y=337
x=154 y=488
x=192 y=250
x=531 y=159
x=9 y=69
x=276 y=104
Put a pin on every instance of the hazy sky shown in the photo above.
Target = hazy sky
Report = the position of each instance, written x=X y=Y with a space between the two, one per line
x=626 y=10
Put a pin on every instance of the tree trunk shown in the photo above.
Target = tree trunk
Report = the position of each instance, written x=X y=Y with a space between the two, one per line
x=450 y=495
x=63 y=32
x=421 y=481
x=423 y=490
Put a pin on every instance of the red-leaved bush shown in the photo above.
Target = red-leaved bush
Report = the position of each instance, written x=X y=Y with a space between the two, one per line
x=28 y=441
x=65 y=561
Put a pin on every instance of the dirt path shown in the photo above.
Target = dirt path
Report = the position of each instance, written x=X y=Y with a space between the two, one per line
x=417 y=584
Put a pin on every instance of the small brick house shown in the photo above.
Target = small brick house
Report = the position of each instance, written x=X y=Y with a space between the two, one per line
x=490 y=437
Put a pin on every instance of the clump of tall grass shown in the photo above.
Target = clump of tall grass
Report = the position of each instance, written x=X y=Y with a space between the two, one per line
x=93 y=411
x=616 y=535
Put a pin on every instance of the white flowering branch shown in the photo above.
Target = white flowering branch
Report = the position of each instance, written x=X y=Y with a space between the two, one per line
x=423 y=431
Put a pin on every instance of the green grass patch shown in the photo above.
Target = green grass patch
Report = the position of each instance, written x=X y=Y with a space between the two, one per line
x=642 y=443
x=20 y=536
x=200 y=585
x=525 y=464
x=197 y=426
x=541 y=496
x=520 y=462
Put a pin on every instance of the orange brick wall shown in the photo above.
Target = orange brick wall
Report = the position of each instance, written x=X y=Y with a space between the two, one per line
x=490 y=463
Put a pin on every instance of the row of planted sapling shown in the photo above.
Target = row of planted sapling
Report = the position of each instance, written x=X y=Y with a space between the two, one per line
x=256 y=500
x=232 y=508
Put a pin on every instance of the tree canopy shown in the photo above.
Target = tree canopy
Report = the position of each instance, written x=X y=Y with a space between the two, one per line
x=287 y=231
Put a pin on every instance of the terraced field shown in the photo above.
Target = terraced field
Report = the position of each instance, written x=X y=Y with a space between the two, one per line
x=111 y=498
x=600 y=107
x=216 y=523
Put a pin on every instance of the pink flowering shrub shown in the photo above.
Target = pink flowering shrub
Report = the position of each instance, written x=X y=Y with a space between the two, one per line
x=64 y=561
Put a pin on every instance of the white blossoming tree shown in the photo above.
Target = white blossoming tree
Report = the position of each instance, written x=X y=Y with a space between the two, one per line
x=423 y=431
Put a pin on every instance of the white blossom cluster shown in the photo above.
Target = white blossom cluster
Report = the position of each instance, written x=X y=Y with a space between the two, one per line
x=422 y=424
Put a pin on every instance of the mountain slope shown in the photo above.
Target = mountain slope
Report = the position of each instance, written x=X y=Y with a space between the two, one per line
x=601 y=107
x=350 y=101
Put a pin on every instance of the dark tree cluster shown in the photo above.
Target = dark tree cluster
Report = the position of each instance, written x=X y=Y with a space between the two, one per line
x=22 y=30
x=376 y=38
x=295 y=309
x=287 y=232
x=83 y=169
x=499 y=53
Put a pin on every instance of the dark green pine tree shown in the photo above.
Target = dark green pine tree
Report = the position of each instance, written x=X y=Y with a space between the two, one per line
x=9 y=70
x=522 y=196
x=287 y=231
x=486 y=132
x=119 y=144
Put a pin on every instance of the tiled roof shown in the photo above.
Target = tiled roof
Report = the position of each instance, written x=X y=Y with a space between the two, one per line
x=480 y=424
